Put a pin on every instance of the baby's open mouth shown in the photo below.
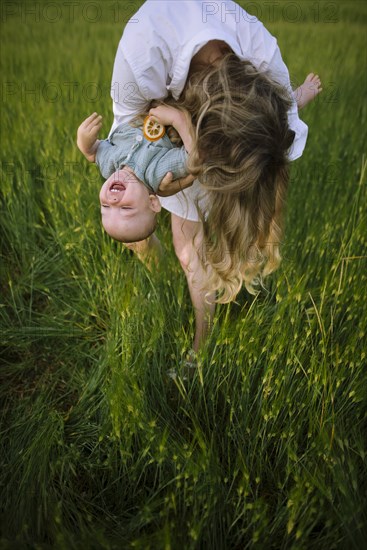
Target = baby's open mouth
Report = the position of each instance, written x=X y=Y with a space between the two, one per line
x=117 y=187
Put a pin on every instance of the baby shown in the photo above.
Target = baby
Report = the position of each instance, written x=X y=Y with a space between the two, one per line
x=134 y=164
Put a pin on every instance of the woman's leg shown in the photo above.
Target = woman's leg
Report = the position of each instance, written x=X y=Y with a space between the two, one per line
x=183 y=232
x=149 y=251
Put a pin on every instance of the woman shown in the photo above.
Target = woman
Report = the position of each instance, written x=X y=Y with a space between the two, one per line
x=177 y=48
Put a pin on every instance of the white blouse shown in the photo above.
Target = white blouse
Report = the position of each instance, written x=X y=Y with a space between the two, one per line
x=159 y=41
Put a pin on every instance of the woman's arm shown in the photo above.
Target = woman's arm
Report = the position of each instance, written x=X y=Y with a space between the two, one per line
x=181 y=122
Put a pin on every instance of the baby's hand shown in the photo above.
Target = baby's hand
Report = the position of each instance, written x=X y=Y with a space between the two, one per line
x=87 y=137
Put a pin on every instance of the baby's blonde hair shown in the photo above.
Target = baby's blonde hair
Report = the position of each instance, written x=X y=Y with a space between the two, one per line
x=240 y=158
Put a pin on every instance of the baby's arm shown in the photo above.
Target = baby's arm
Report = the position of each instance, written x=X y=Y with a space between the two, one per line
x=87 y=137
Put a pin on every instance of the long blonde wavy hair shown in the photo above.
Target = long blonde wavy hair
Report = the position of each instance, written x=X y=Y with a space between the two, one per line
x=240 y=158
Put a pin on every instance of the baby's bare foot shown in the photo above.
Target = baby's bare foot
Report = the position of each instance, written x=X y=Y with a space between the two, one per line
x=308 y=90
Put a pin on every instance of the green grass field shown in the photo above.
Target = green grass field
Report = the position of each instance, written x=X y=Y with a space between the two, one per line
x=266 y=447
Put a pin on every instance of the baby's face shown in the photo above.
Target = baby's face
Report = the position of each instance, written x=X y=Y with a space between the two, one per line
x=128 y=209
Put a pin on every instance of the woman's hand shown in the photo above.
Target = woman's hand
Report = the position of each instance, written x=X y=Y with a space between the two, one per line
x=169 y=187
x=180 y=120
x=87 y=136
x=167 y=115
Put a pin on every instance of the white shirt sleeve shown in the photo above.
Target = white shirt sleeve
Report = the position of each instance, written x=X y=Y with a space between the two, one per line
x=127 y=99
x=142 y=64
